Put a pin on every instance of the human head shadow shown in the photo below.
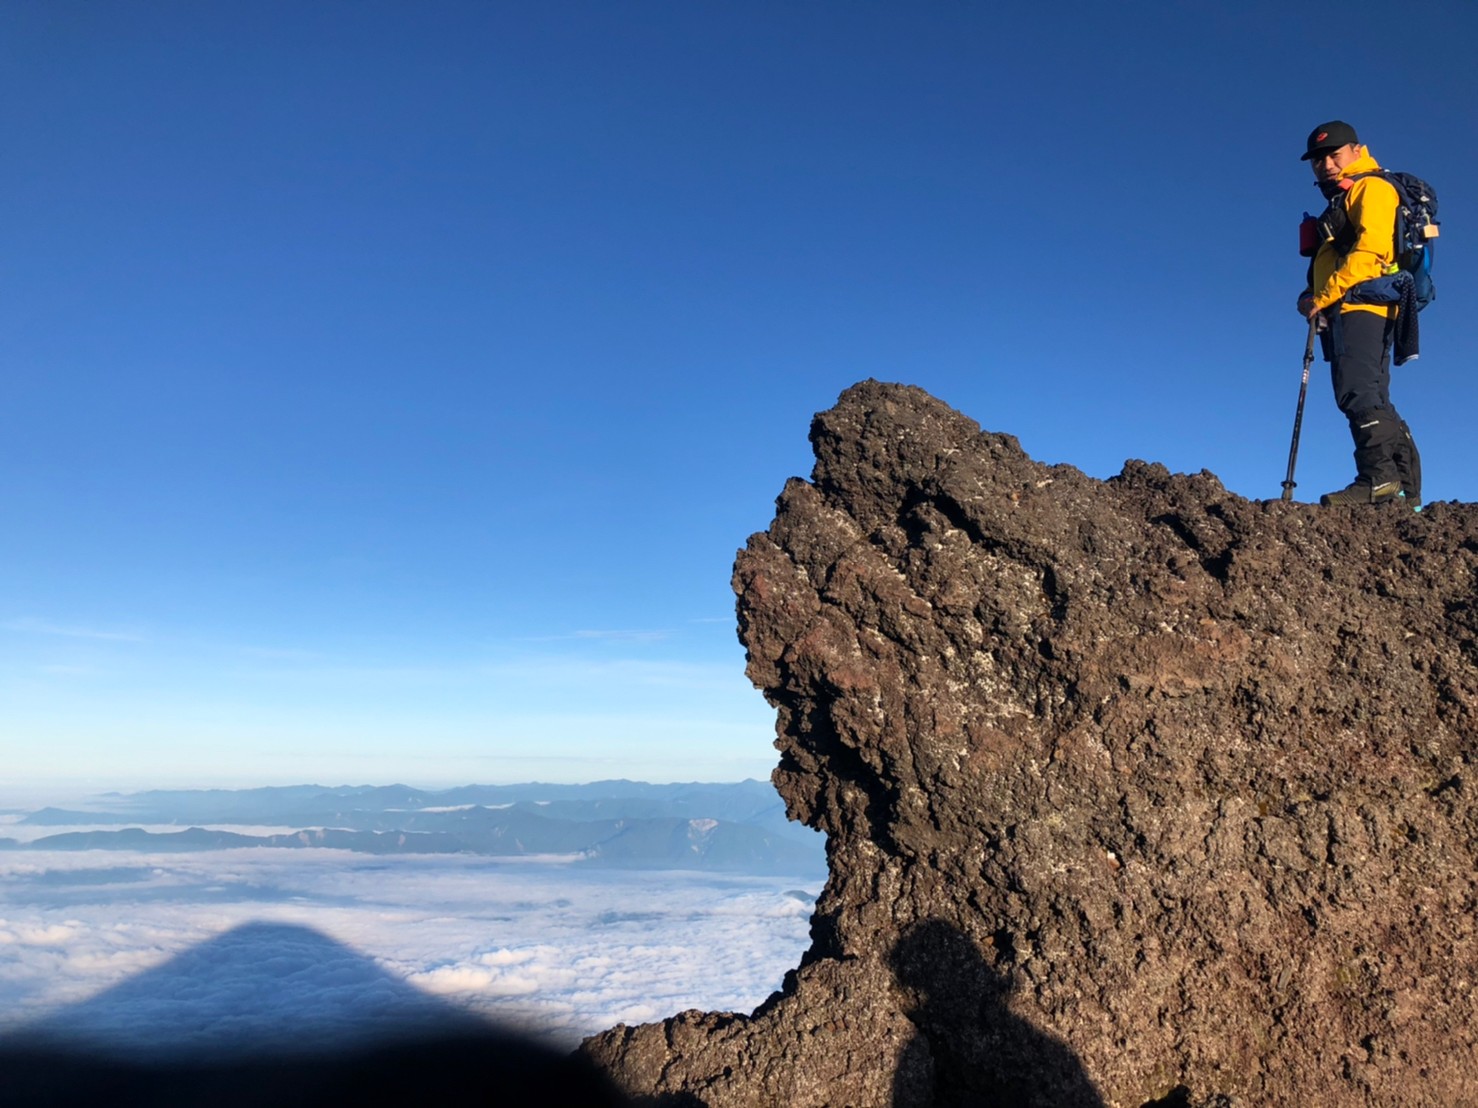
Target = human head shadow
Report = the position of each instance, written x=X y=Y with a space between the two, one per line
x=272 y=1013
x=968 y=1048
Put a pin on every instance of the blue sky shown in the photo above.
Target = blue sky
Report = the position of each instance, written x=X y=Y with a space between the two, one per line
x=385 y=388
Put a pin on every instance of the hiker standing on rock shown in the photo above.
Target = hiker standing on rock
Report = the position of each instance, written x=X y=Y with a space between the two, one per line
x=1352 y=246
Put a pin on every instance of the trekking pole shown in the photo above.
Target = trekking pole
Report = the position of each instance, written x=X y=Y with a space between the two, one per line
x=1298 y=416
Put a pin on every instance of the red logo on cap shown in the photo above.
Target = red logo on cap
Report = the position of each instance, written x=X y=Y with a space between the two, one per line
x=1321 y=136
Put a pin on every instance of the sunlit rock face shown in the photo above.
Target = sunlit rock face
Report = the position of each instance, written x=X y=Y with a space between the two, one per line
x=1136 y=791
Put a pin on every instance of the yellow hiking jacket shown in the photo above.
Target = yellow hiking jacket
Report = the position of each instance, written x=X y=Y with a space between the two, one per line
x=1372 y=203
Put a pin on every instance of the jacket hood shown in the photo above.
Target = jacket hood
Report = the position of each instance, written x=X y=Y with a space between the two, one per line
x=1365 y=163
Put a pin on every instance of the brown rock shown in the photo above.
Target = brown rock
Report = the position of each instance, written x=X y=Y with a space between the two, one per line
x=1137 y=792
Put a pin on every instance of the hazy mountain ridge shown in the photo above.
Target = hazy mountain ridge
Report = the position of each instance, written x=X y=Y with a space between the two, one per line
x=741 y=801
x=629 y=824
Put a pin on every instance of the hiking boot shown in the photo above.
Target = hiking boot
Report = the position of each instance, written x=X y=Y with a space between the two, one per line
x=1410 y=501
x=1359 y=493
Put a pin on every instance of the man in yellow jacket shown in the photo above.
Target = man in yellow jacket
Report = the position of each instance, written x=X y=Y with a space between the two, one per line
x=1356 y=244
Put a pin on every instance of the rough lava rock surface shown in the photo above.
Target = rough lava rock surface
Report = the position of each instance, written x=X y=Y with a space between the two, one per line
x=1136 y=792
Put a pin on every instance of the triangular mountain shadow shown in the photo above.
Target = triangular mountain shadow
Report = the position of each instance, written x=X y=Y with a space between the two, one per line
x=278 y=1014
x=258 y=988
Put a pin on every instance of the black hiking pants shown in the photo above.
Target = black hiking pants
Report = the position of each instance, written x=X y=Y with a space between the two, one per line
x=1357 y=347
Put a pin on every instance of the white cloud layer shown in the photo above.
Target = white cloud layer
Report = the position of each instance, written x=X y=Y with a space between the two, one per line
x=110 y=945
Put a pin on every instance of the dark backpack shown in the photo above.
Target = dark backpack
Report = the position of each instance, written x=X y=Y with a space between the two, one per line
x=1416 y=228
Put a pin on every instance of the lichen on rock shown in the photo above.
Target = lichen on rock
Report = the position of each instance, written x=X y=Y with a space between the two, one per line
x=1136 y=791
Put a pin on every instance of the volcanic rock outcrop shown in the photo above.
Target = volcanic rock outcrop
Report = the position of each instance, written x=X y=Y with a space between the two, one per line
x=1136 y=792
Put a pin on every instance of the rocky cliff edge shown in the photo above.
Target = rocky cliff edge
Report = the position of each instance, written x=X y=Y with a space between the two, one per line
x=1137 y=792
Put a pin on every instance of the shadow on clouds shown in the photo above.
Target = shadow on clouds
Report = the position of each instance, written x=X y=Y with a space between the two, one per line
x=261 y=986
x=277 y=1014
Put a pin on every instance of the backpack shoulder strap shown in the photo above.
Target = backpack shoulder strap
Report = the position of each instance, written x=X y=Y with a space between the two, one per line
x=1385 y=175
x=1345 y=231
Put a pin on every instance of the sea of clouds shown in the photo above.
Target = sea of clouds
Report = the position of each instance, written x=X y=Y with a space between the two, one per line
x=220 y=948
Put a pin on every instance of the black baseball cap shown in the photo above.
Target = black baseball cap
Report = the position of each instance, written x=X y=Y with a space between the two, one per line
x=1329 y=136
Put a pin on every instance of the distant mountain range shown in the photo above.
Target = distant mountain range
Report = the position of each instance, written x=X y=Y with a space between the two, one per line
x=736 y=827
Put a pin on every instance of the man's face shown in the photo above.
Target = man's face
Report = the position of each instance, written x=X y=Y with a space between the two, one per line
x=1329 y=164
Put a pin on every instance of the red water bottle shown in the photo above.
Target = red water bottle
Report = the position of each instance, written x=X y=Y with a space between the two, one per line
x=1308 y=236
